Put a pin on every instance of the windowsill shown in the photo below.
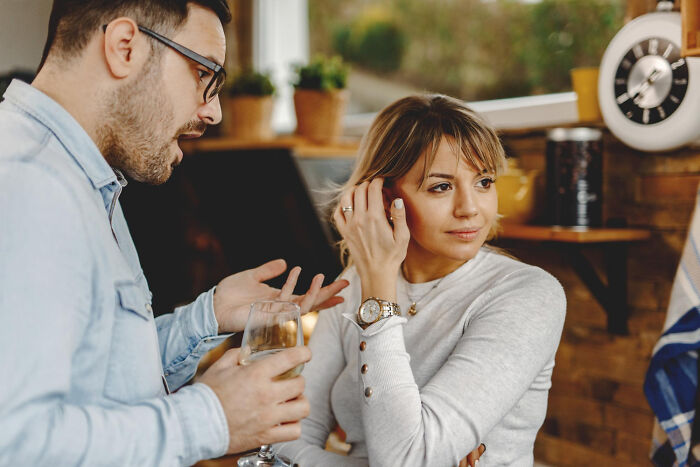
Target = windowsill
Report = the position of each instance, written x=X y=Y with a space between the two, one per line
x=504 y=114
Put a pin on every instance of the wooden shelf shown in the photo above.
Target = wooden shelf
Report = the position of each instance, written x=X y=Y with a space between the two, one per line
x=572 y=234
x=300 y=146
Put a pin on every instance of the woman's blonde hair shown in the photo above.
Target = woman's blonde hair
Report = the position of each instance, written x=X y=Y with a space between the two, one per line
x=416 y=125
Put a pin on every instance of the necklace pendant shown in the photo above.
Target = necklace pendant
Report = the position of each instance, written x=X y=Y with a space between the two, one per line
x=412 y=309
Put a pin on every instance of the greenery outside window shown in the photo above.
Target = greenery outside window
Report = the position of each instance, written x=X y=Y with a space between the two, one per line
x=472 y=49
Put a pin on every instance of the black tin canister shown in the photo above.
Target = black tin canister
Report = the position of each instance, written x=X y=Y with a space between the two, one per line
x=575 y=177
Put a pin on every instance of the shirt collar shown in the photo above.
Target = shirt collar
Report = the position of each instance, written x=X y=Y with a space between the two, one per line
x=66 y=129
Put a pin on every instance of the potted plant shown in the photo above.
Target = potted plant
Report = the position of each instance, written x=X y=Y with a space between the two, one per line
x=320 y=98
x=248 y=111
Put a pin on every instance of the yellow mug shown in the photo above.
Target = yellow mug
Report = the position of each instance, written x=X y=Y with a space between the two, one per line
x=585 y=83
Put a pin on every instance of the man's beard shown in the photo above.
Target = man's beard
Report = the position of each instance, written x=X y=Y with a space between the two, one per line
x=134 y=137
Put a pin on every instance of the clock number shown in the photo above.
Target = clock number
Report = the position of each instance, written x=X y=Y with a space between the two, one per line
x=677 y=64
x=653 y=46
x=662 y=112
x=638 y=52
x=680 y=82
x=621 y=99
x=620 y=81
x=626 y=64
x=674 y=98
x=668 y=51
x=645 y=116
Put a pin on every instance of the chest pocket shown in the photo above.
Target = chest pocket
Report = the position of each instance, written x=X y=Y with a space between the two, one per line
x=134 y=370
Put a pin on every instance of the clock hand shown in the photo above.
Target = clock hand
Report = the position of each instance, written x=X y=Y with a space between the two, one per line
x=654 y=75
x=645 y=85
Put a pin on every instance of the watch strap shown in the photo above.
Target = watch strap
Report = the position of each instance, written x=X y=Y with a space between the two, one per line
x=387 y=310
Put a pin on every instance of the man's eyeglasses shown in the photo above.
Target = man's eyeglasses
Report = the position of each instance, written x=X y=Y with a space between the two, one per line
x=218 y=78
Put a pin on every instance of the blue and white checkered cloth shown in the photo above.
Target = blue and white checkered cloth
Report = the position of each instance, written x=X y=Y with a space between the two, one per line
x=671 y=384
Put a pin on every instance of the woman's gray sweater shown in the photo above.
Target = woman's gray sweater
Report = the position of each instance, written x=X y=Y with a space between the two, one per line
x=473 y=366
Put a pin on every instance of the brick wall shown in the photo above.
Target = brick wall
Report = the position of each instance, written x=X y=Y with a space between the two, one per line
x=598 y=414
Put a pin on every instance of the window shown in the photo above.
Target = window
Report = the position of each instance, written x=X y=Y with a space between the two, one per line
x=472 y=49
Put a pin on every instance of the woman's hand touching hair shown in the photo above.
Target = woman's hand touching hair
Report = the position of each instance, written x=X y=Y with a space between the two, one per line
x=377 y=248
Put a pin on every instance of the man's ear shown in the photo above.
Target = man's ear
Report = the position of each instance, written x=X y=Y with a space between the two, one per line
x=123 y=47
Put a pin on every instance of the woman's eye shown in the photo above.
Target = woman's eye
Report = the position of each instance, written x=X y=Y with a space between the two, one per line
x=486 y=182
x=441 y=187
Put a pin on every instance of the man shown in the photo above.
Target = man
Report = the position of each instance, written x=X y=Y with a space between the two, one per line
x=85 y=366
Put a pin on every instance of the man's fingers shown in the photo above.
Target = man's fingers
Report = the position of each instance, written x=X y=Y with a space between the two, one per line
x=293 y=410
x=276 y=364
x=288 y=288
x=309 y=299
x=282 y=433
x=285 y=390
x=331 y=302
x=329 y=292
x=269 y=270
x=229 y=358
x=325 y=296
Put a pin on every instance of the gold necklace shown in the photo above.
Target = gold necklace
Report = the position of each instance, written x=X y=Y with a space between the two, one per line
x=412 y=310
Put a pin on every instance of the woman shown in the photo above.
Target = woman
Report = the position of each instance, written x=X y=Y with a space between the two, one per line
x=442 y=343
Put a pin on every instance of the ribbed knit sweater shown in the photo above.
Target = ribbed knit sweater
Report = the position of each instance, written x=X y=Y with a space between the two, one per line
x=474 y=365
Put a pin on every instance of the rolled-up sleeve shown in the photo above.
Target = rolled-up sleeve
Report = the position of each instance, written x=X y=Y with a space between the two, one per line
x=185 y=336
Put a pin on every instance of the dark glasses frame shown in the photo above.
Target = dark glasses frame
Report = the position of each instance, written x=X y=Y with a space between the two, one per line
x=218 y=72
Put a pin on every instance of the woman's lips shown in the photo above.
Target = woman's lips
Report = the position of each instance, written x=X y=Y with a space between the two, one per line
x=465 y=234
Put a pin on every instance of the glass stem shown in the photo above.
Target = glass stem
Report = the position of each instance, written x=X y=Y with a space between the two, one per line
x=265 y=452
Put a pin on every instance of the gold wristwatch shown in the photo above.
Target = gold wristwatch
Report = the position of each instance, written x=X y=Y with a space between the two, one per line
x=373 y=309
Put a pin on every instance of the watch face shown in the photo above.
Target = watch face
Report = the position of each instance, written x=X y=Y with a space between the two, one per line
x=369 y=311
x=651 y=81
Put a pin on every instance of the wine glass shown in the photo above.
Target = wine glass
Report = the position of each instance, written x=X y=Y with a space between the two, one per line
x=271 y=327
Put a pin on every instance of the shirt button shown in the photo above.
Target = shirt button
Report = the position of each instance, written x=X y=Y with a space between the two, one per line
x=149 y=308
x=364 y=369
x=368 y=392
x=363 y=346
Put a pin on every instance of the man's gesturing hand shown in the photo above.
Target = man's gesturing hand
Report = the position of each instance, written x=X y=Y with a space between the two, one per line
x=235 y=293
x=259 y=409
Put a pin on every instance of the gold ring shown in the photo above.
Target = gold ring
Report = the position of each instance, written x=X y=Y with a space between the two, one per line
x=346 y=209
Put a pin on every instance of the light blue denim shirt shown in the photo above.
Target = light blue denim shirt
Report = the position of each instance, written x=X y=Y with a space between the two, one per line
x=81 y=356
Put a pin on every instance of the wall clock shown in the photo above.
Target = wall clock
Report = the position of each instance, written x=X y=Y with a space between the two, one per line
x=648 y=94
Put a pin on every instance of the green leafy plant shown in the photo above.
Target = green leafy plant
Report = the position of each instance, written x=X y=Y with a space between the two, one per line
x=322 y=74
x=374 y=40
x=251 y=83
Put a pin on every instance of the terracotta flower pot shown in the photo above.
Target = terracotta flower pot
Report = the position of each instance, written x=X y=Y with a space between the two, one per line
x=248 y=117
x=320 y=114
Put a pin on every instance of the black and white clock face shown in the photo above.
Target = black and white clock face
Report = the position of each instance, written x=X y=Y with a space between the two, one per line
x=651 y=81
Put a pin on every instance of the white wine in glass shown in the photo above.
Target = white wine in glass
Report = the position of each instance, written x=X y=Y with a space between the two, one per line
x=272 y=326
x=296 y=371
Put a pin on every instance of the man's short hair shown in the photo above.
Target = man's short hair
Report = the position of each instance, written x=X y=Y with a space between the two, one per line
x=73 y=22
